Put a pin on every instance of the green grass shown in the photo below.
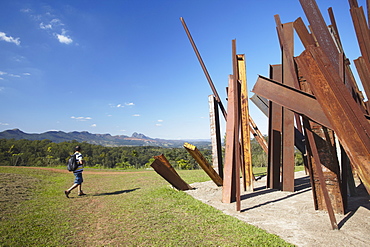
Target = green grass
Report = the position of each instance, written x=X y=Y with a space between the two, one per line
x=125 y=209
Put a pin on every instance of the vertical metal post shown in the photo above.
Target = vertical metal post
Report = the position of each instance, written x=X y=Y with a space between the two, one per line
x=215 y=135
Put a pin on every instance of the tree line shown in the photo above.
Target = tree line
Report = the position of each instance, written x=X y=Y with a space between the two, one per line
x=47 y=153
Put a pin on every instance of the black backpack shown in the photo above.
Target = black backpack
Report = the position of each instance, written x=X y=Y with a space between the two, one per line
x=72 y=163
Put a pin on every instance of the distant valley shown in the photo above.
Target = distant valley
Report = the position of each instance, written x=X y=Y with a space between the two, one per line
x=136 y=139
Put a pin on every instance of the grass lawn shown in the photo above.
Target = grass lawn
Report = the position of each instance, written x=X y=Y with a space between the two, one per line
x=124 y=209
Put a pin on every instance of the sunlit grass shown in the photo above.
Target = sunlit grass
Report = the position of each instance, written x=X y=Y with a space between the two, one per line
x=127 y=209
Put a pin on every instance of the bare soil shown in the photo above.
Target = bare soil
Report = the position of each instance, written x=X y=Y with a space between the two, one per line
x=291 y=215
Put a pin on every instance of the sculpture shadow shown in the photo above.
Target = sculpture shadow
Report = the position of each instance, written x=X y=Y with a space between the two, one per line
x=361 y=199
x=301 y=185
x=116 y=192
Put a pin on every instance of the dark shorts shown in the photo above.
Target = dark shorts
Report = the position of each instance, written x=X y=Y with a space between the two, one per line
x=78 y=178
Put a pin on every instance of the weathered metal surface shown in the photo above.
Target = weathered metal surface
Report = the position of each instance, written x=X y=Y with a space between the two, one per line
x=291 y=98
x=318 y=170
x=203 y=67
x=164 y=168
x=345 y=116
x=194 y=152
x=363 y=70
x=215 y=135
x=321 y=31
x=228 y=191
x=237 y=116
x=285 y=32
x=245 y=131
x=275 y=129
x=324 y=140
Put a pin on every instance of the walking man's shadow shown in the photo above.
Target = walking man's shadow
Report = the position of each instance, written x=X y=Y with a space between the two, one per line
x=116 y=192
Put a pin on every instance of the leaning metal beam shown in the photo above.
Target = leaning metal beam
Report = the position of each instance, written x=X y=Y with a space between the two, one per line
x=203 y=67
x=344 y=115
x=246 y=139
x=291 y=98
x=229 y=190
x=194 y=152
x=164 y=168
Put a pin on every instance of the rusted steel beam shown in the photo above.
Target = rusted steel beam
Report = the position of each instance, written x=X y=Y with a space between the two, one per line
x=335 y=28
x=363 y=69
x=285 y=32
x=197 y=155
x=324 y=141
x=321 y=31
x=229 y=190
x=257 y=134
x=304 y=35
x=275 y=129
x=164 y=168
x=246 y=163
x=291 y=98
x=203 y=67
x=318 y=170
x=237 y=116
x=362 y=31
x=215 y=135
x=345 y=116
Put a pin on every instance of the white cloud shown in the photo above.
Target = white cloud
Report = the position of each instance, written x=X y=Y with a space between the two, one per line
x=9 y=39
x=93 y=125
x=160 y=120
x=45 y=26
x=81 y=118
x=158 y=125
x=3 y=123
x=129 y=104
x=26 y=74
x=136 y=115
x=3 y=73
x=119 y=105
x=1 y=78
x=63 y=38
x=13 y=75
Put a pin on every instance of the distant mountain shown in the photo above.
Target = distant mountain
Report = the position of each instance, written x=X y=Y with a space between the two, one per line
x=137 y=139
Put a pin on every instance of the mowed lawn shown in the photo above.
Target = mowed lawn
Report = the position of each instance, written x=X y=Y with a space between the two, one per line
x=120 y=209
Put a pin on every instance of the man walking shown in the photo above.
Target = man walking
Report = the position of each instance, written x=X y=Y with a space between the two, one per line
x=78 y=174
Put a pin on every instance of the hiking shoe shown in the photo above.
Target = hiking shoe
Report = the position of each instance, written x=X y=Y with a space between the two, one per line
x=81 y=194
x=67 y=193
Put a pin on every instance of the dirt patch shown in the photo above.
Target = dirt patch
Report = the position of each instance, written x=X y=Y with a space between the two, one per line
x=14 y=188
x=291 y=215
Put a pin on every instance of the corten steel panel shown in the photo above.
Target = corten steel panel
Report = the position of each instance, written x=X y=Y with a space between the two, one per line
x=330 y=168
x=167 y=172
x=303 y=33
x=318 y=170
x=328 y=45
x=215 y=134
x=275 y=128
x=237 y=120
x=285 y=32
x=203 y=67
x=194 y=152
x=362 y=31
x=246 y=139
x=345 y=116
x=228 y=190
x=363 y=70
x=320 y=30
x=335 y=27
x=291 y=98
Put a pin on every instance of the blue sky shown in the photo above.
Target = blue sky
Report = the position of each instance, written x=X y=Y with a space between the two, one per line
x=124 y=66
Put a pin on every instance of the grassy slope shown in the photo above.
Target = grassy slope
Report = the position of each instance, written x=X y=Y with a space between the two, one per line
x=127 y=209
